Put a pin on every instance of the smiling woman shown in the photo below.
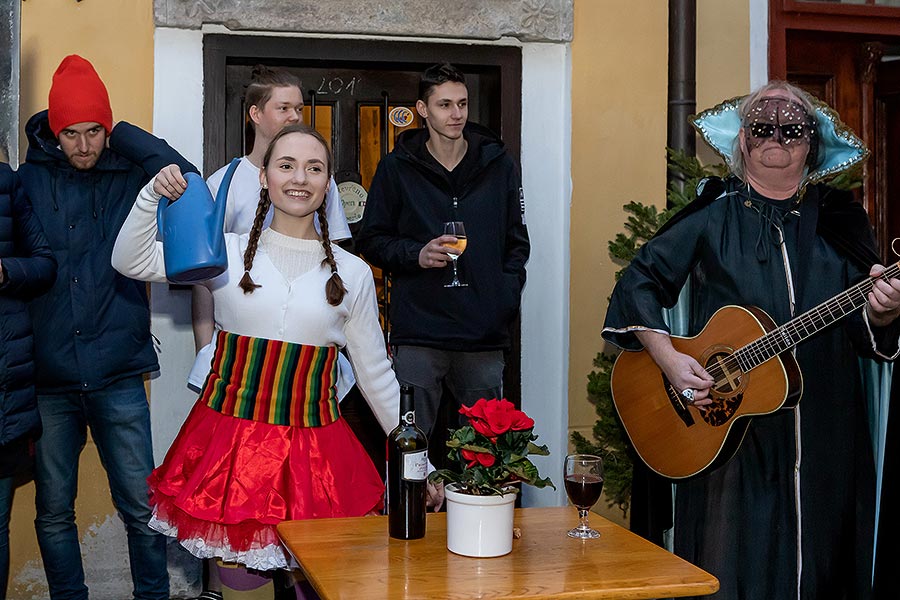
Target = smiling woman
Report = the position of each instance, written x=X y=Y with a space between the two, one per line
x=296 y=177
x=267 y=419
x=301 y=170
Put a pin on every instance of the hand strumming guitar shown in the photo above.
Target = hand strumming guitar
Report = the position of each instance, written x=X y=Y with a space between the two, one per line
x=683 y=371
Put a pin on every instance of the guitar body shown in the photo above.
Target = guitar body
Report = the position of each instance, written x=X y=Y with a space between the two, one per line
x=678 y=440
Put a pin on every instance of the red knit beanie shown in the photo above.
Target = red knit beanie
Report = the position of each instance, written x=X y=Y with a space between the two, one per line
x=77 y=95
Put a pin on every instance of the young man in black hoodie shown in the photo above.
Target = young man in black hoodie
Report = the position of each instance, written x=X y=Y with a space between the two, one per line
x=451 y=170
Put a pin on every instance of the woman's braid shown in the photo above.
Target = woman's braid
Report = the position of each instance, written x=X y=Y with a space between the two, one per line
x=334 y=289
x=262 y=209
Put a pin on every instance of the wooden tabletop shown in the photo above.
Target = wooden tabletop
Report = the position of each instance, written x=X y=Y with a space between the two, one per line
x=354 y=559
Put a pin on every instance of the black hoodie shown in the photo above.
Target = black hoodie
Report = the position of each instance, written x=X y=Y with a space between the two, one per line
x=410 y=198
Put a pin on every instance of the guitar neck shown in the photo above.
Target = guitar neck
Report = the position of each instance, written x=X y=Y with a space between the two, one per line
x=809 y=323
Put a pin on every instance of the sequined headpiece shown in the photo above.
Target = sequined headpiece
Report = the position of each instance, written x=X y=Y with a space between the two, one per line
x=838 y=148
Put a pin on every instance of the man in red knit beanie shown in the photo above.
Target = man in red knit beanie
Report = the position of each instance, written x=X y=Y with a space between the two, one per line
x=79 y=112
x=92 y=344
x=78 y=95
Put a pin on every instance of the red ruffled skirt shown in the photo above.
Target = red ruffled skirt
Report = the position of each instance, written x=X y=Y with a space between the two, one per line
x=227 y=481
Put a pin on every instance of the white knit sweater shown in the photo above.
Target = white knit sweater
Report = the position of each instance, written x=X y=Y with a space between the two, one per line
x=292 y=310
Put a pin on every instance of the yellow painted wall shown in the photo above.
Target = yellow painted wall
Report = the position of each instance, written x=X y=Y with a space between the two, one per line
x=117 y=37
x=619 y=82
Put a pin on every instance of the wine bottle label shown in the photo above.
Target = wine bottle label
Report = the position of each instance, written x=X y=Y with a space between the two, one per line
x=415 y=465
x=408 y=418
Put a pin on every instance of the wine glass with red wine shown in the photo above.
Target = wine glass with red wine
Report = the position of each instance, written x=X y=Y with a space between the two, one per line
x=584 y=482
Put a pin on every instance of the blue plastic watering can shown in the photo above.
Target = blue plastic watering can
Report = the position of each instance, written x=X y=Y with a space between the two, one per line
x=192 y=230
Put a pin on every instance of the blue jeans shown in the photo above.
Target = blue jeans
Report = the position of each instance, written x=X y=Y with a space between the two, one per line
x=469 y=376
x=6 y=498
x=119 y=418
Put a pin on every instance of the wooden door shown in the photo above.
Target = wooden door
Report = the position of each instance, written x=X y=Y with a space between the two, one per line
x=353 y=86
x=850 y=72
x=887 y=154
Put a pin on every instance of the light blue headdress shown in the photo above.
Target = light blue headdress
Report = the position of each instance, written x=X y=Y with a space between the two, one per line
x=839 y=148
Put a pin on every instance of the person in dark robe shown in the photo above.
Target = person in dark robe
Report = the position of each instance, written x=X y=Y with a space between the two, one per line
x=791 y=514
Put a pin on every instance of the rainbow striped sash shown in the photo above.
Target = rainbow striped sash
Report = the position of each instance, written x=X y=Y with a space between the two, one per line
x=273 y=382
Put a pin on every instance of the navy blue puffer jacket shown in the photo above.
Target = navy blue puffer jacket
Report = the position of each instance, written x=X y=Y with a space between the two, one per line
x=28 y=270
x=93 y=327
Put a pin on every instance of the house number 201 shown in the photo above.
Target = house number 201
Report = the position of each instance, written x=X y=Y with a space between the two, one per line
x=337 y=85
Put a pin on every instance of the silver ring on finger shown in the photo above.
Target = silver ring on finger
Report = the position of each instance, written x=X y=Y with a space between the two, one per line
x=688 y=395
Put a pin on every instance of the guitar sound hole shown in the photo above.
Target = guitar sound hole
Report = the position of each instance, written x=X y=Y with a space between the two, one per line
x=726 y=371
x=725 y=393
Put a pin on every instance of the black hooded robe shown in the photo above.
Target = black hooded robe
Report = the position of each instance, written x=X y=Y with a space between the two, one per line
x=751 y=522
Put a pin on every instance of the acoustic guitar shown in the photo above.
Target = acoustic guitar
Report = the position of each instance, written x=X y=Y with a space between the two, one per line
x=755 y=373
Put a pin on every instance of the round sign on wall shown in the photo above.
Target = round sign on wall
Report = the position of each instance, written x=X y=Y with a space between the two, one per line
x=400 y=116
x=353 y=199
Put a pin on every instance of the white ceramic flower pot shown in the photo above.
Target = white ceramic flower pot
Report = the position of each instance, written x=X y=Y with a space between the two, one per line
x=480 y=526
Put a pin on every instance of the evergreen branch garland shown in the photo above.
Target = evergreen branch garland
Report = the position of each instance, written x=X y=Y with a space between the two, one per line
x=609 y=439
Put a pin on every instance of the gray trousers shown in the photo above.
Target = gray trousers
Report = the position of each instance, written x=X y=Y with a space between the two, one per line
x=468 y=375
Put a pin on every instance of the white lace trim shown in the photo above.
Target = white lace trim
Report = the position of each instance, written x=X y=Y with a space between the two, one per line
x=266 y=558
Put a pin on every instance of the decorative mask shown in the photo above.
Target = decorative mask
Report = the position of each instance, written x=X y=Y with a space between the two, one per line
x=834 y=148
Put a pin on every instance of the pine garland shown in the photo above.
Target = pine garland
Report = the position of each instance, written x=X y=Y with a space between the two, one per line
x=610 y=441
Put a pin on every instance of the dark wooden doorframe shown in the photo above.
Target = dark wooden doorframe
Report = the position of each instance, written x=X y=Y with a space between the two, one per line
x=220 y=50
x=842 y=70
x=846 y=40
x=886 y=95
x=799 y=15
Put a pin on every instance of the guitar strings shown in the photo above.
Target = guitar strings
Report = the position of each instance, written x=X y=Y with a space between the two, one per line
x=781 y=338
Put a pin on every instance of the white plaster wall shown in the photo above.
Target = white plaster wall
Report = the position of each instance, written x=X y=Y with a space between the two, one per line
x=177 y=117
x=546 y=175
x=546 y=143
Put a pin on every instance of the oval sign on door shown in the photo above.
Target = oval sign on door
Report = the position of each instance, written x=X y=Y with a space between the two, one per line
x=353 y=199
x=400 y=116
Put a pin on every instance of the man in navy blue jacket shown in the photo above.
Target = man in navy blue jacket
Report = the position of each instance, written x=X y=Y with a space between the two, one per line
x=451 y=170
x=27 y=269
x=92 y=330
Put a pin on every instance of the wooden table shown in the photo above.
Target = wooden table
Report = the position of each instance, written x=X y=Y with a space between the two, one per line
x=355 y=559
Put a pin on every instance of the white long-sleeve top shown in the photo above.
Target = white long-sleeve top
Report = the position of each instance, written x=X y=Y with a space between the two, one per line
x=293 y=311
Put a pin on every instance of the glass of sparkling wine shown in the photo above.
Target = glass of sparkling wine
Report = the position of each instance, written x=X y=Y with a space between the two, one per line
x=458 y=230
x=584 y=482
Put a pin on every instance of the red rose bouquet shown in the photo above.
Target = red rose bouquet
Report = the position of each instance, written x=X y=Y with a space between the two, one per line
x=492 y=450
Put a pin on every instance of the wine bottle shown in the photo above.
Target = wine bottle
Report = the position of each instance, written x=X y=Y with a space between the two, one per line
x=407 y=468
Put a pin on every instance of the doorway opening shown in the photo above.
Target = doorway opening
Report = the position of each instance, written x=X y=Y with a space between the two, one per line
x=351 y=90
x=859 y=76
x=847 y=54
